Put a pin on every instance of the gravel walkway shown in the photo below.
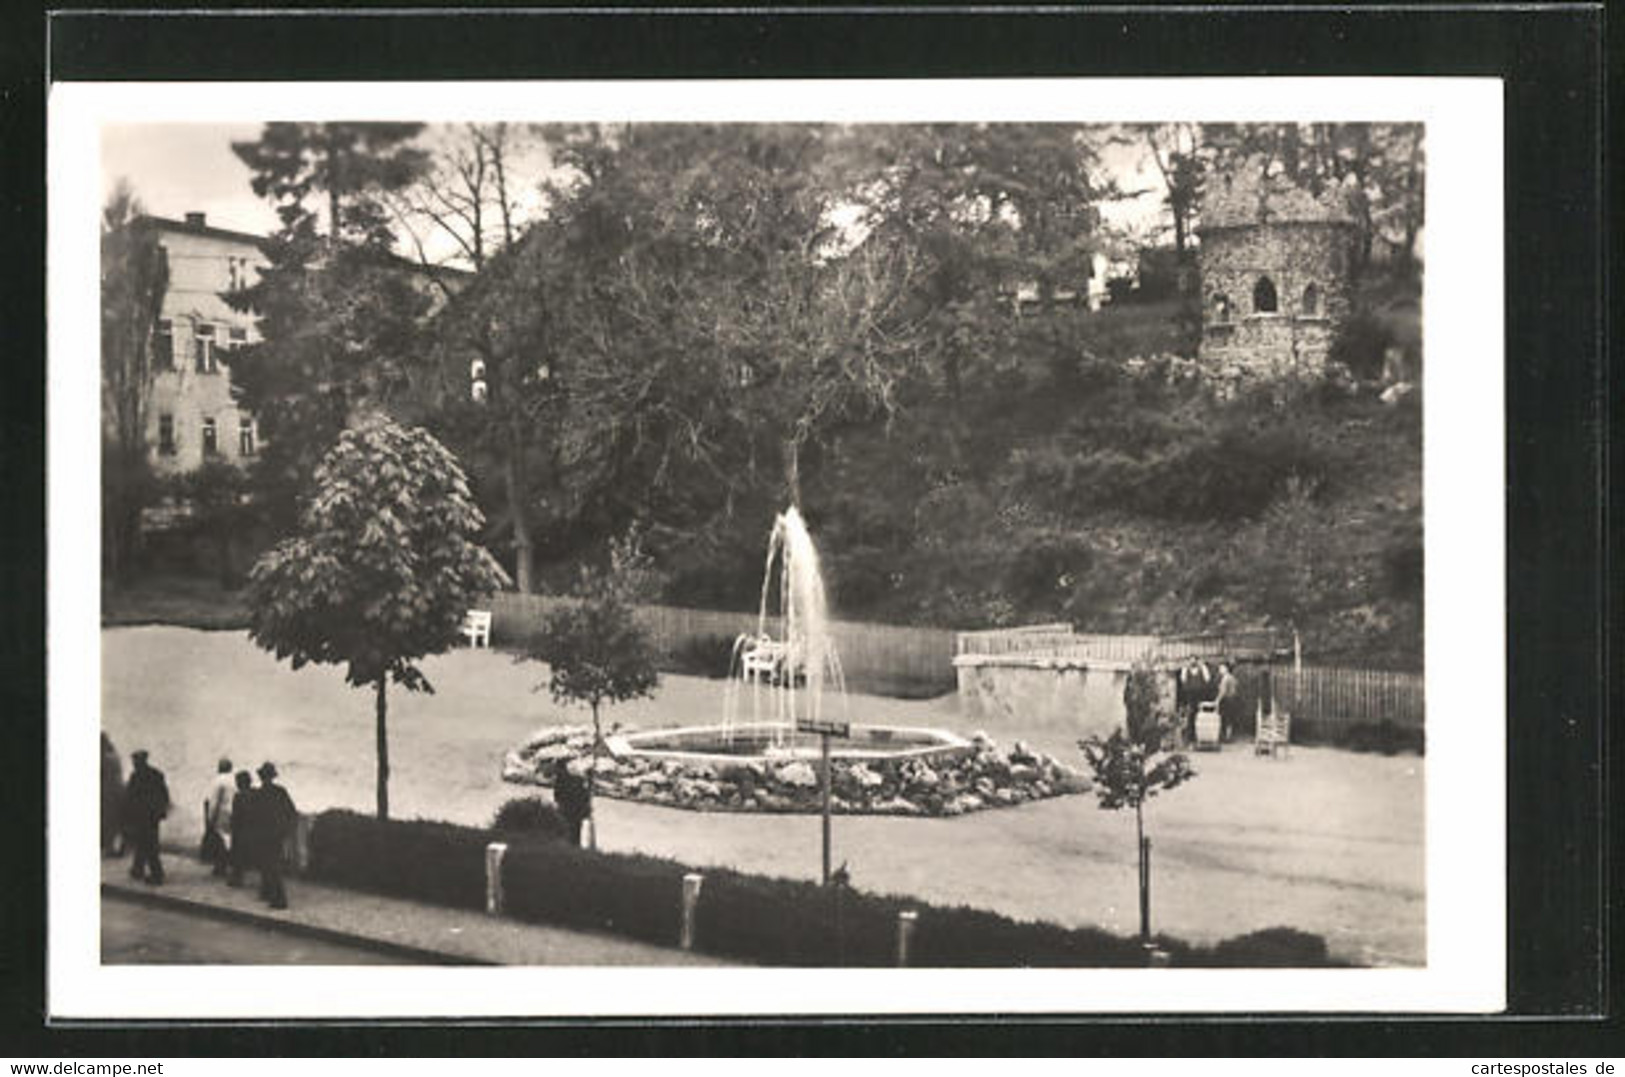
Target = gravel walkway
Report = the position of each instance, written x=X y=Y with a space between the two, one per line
x=1326 y=841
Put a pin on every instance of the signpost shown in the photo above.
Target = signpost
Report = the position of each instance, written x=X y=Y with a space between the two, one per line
x=825 y=730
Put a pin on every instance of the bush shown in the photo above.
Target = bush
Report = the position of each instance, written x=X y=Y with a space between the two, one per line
x=636 y=896
x=703 y=656
x=749 y=918
x=434 y=862
x=1273 y=947
x=1360 y=343
x=529 y=816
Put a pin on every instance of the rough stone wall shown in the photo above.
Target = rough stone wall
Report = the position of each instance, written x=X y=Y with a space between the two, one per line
x=1293 y=256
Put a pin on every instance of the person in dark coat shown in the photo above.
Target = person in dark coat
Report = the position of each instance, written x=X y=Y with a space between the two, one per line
x=112 y=800
x=146 y=802
x=573 y=801
x=277 y=820
x=245 y=828
x=1229 y=700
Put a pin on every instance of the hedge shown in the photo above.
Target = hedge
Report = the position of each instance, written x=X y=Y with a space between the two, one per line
x=749 y=918
x=439 y=863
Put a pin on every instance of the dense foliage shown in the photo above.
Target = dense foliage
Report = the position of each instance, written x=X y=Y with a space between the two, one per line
x=134 y=277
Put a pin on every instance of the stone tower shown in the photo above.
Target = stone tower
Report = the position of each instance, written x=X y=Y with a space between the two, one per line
x=1275 y=267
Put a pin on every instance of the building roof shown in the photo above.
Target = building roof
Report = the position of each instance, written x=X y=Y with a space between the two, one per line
x=169 y=224
x=1247 y=197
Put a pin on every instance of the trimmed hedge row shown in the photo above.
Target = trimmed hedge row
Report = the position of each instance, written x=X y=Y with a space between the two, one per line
x=750 y=918
x=439 y=863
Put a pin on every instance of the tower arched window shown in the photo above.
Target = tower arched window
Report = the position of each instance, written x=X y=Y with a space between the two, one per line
x=1264 y=300
x=1311 y=301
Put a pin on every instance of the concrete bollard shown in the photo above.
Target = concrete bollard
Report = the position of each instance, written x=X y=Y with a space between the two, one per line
x=301 y=844
x=589 y=834
x=494 y=897
x=691 y=899
x=905 y=934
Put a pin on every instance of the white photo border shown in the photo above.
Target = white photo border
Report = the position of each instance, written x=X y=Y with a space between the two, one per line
x=1463 y=477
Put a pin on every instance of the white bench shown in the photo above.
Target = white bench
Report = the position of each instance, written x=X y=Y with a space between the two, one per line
x=477 y=627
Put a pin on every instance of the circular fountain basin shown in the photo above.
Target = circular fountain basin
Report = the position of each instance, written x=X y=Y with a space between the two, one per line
x=718 y=745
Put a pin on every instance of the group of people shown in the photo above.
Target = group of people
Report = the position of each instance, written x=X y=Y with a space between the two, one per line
x=1198 y=683
x=245 y=827
x=248 y=827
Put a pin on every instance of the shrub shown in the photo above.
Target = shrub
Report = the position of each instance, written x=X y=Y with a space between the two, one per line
x=703 y=656
x=529 y=816
x=1273 y=947
x=788 y=922
x=1360 y=343
x=435 y=862
x=636 y=896
x=749 y=918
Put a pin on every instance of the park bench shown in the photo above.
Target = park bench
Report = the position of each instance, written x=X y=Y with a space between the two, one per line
x=477 y=627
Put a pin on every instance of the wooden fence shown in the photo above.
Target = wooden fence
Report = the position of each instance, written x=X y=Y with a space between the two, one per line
x=884 y=659
x=1335 y=696
x=1060 y=641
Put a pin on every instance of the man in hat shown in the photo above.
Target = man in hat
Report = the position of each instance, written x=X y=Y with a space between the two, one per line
x=245 y=829
x=146 y=802
x=276 y=819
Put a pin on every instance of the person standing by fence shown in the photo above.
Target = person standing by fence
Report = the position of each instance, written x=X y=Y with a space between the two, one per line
x=1229 y=700
x=573 y=801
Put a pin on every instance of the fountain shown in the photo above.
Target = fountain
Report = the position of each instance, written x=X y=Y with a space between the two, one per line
x=784 y=684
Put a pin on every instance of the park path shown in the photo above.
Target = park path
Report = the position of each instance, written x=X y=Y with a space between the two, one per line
x=1326 y=841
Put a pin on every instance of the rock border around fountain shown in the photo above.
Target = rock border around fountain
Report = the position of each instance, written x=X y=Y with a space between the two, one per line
x=943 y=775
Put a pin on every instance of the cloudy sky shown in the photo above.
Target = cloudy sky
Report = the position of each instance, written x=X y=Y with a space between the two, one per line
x=180 y=168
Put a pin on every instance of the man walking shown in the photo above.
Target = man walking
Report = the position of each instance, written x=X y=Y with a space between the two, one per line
x=217 y=817
x=276 y=819
x=245 y=829
x=573 y=801
x=146 y=802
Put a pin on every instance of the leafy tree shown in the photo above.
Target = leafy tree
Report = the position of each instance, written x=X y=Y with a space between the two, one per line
x=595 y=649
x=338 y=317
x=382 y=569
x=1133 y=765
x=135 y=276
x=221 y=511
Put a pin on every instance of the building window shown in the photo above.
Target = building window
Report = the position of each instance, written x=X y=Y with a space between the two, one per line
x=163 y=345
x=1264 y=301
x=211 y=440
x=203 y=339
x=236 y=336
x=1311 y=301
x=166 y=435
x=1221 y=308
x=245 y=436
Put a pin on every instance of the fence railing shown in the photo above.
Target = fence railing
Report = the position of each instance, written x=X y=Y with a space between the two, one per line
x=1337 y=695
x=888 y=659
x=1060 y=641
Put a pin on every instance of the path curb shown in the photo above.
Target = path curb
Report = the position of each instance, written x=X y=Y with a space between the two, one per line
x=422 y=955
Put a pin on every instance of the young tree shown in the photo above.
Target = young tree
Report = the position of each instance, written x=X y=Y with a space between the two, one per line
x=597 y=652
x=382 y=570
x=135 y=276
x=1133 y=765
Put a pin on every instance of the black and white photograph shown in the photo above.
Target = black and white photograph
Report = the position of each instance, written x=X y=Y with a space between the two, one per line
x=918 y=547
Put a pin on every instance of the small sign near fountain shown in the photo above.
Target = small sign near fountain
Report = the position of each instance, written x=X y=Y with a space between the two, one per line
x=783 y=702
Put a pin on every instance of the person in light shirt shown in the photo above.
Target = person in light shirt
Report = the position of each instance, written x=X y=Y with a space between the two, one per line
x=217 y=815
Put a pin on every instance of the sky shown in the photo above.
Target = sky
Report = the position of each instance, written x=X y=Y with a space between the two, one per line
x=180 y=168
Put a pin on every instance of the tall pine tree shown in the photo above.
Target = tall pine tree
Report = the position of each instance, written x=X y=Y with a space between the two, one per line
x=338 y=316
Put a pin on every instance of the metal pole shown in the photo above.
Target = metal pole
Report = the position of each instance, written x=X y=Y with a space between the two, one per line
x=906 y=920
x=1145 y=888
x=824 y=738
x=691 y=899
